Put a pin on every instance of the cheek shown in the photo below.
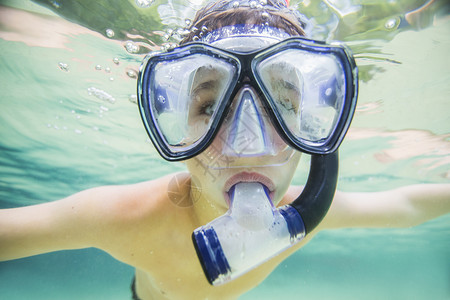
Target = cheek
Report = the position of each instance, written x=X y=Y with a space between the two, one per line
x=209 y=181
x=282 y=177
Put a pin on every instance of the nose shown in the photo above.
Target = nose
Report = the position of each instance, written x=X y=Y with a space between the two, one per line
x=247 y=134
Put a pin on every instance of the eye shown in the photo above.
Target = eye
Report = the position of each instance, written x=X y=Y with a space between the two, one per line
x=286 y=95
x=287 y=104
x=206 y=108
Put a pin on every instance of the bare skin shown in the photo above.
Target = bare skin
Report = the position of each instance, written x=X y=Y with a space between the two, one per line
x=141 y=226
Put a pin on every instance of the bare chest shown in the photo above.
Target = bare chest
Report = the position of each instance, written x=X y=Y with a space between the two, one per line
x=171 y=270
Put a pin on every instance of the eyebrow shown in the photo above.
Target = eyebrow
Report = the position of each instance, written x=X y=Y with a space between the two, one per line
x=207 y=85
x=287 y=85
x=284 y=68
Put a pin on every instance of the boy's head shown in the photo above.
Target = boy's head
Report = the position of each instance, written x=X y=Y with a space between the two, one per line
x=239 y=105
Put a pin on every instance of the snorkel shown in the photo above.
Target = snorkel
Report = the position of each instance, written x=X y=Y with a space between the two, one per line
x=253 y=230
x=310 y=107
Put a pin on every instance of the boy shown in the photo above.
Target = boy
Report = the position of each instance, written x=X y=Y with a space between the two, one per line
x=139 y=224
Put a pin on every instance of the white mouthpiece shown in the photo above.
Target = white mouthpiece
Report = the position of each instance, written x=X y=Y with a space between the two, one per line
x=251 y=206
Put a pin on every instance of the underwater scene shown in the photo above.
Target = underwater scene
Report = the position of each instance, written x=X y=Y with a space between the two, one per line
x=69 y=121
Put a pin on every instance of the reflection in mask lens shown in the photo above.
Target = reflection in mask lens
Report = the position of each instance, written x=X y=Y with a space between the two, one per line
x=186 y=94
x=307 y=90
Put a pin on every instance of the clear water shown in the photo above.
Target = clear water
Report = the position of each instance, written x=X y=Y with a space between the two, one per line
x=69 y=122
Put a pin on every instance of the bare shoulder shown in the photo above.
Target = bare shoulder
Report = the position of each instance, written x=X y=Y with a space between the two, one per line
x=119 y=214
x=129 y=202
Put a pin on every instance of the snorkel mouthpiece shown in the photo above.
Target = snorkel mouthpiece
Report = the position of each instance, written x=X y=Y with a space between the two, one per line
x=251 y=232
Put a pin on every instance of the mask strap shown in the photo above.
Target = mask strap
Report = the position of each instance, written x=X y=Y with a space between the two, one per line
x=245 y=30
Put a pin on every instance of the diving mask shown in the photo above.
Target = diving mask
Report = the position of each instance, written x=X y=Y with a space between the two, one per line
x=307 y=89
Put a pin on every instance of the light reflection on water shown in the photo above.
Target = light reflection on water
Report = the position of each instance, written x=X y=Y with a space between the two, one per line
x=69 y=122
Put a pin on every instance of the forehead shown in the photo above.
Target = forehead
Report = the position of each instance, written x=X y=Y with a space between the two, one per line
x=245 y=38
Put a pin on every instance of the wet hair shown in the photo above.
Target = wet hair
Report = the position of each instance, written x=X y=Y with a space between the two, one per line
x=218 y=14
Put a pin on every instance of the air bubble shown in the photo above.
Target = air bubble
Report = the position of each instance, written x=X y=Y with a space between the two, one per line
x=100 y=94
x=131 y=47
x=132 y=73
x=98 y=67
x=63 y=66
x=107 y=69
x=55 y=4
x=144 y=3
x=183 y=32
x=110 y=33
x=116 y=60
x=187 y=22
x=263 y=2
x=391 y=24
x=328 y=92
x=132 y=99
x=168 y=34
x=167 y=47
x=235 y=4
x=253 y=4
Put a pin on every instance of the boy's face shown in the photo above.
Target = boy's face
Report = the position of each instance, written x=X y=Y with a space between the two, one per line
x=221 y=165
x=227 y=160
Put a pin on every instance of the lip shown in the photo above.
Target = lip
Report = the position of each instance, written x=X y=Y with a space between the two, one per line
x=248 y=177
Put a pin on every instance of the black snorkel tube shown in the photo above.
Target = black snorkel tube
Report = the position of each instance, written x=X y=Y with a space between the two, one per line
x=221 y=255
x=317 y=196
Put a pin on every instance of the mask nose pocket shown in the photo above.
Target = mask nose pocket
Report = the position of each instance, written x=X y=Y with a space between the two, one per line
x=247 y=134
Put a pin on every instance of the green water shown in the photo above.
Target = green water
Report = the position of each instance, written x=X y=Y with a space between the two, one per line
x=69 y=122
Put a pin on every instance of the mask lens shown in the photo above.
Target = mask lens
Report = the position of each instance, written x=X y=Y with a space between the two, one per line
x=307 y=90
x=185 y=96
